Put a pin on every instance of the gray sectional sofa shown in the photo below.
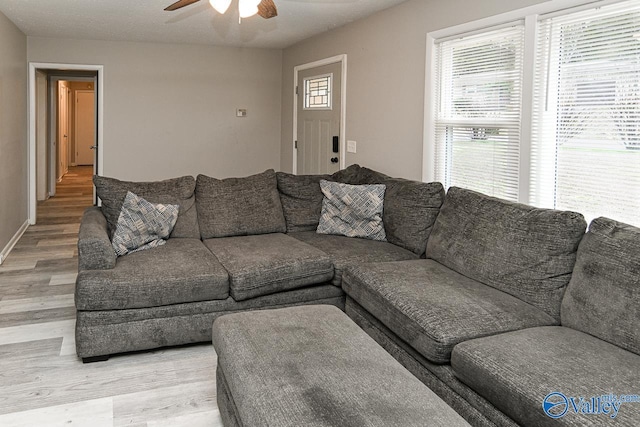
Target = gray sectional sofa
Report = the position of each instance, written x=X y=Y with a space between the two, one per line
x=238 y=244
x=493 y=305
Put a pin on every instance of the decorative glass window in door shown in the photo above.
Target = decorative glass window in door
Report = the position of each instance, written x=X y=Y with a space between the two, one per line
x=317 y=92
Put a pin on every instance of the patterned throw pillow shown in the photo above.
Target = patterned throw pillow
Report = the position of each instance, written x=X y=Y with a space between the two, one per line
x=143 y=225
x=352 y=210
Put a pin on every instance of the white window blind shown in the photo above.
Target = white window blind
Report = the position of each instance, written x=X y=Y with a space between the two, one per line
x=478 y=111
x=585 y=153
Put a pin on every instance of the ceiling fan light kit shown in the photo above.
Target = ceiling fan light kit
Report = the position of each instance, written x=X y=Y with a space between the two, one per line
x=246 y=8
x=220 y=5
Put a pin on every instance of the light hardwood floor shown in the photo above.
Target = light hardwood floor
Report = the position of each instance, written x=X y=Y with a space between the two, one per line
x=42 y=382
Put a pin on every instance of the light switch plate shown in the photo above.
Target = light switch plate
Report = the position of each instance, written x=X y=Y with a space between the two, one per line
x=241 y=112
x=351 y=146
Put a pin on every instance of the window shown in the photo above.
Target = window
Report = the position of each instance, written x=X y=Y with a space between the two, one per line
x=478 y=116
x=586 y=134
x=562 y=131
x=317 y=93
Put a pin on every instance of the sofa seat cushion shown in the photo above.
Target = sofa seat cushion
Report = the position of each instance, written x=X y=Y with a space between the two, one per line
x=182 y=270
x=346 y=251
x=525 y=251
x=603 y=296
x=517 y=370
x=269 y=263
x=433 y=308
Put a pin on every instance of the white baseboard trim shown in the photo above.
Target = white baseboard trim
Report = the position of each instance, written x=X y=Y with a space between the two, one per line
x=7 y=249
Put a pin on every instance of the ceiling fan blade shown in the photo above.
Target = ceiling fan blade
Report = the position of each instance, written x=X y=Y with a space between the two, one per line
x=180 y=4
x=267 y=9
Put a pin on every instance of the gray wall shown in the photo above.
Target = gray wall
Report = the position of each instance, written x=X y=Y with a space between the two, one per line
x=13 y=130
x=385 y=80
x=169 y=110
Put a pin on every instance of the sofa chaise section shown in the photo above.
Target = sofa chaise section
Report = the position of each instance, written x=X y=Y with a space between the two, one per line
x=434 y=308
x=517 y=370
x=595 y=353
x=524 y=251
x=492 y=266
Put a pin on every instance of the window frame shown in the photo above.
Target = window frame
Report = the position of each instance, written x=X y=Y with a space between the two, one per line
x=531 y=16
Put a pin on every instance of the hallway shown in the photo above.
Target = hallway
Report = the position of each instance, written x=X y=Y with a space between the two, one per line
x=43 y=382
x=73 y=195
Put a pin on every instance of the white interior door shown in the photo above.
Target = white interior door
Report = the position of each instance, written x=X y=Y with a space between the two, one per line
x=63 y=130
x=85 y=120
x=318 y=127
x=42 y=154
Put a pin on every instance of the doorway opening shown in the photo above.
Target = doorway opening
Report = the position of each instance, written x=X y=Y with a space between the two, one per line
x=319 y=116
x=65 y=134
x=72 y=129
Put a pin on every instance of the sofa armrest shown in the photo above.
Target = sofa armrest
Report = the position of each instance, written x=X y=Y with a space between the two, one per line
x=94 y=247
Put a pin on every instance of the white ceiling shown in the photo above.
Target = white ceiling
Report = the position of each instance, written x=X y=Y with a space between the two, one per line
x=199 y=23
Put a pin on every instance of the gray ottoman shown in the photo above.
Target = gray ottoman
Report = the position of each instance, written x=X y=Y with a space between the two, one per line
x=312 y=366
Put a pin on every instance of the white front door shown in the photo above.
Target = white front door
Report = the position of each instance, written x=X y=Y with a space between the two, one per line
x=85 y=132
x=319 y=112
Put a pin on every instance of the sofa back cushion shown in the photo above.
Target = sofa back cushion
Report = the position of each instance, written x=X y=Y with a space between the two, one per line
x=301 y=200
x=524 y=251
x=410 y=208
x=603 y=296
x=176 y=191
x=349 y=175
x=301 y=196
x=363 y=175
x=239 y=206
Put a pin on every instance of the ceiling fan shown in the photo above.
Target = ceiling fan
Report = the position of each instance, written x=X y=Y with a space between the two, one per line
x=264 y=8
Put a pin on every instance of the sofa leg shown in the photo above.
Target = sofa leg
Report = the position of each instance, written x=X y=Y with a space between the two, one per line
x=95 y=359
